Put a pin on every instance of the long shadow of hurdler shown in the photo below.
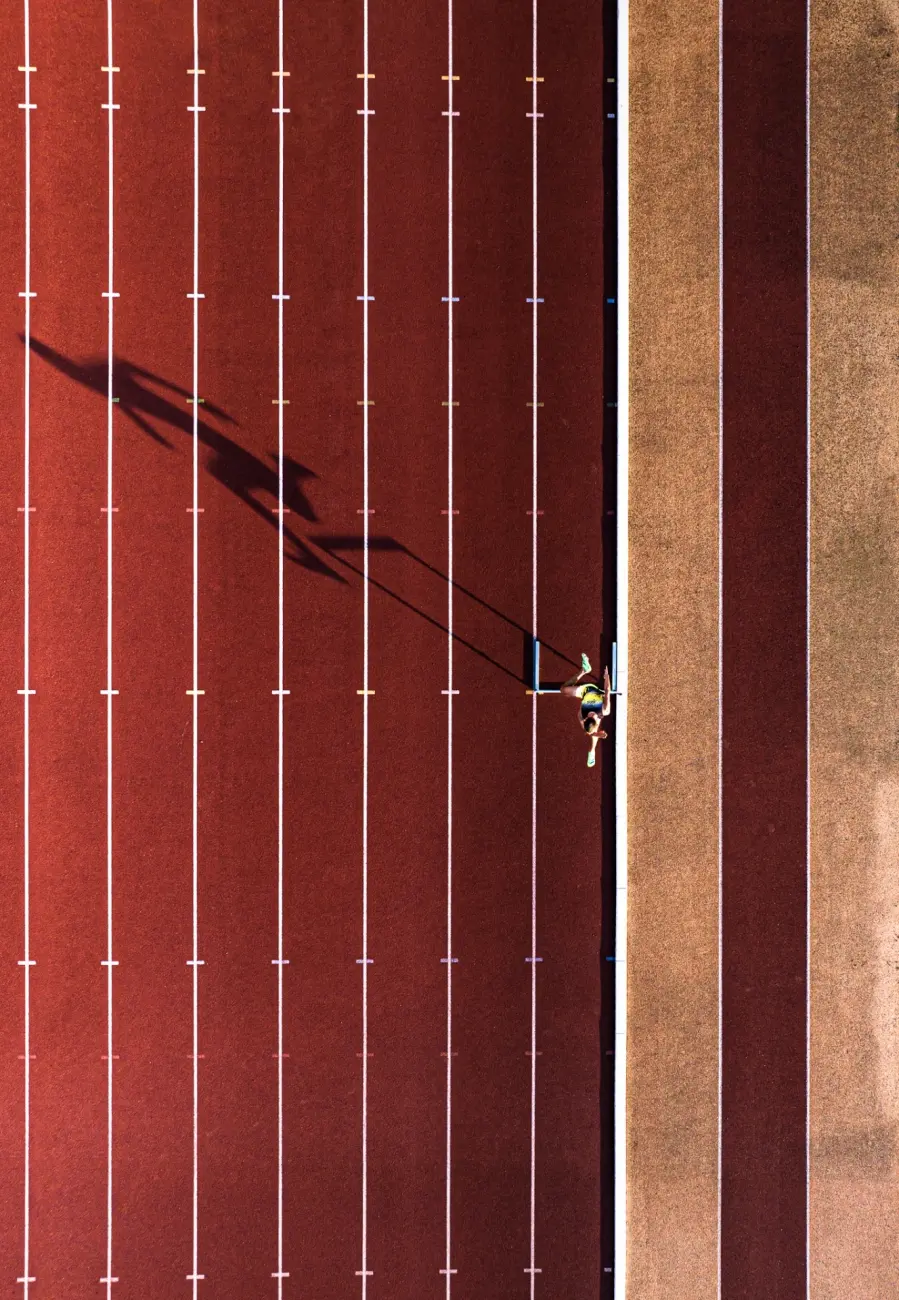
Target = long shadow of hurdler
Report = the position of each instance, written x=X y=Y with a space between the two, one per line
x=232 y=465
x=245 y=475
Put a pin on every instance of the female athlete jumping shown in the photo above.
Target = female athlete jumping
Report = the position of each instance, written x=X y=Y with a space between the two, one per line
x=596 y=703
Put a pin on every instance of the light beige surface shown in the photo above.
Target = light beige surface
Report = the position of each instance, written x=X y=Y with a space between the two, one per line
x=854 y=1188
x=673 y=734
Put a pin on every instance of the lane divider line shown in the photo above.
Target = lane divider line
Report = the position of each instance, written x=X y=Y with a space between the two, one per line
x=451 y=298
x=366 y=113
x=535 y=405
x=27 y=1277
x=195 y=963
x=281 y=692
x=110 y=294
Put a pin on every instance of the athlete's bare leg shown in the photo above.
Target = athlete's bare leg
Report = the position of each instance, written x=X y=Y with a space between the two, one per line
x=586 y=675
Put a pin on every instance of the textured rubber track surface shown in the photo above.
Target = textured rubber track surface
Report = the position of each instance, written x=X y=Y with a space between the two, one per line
x=64 y=1233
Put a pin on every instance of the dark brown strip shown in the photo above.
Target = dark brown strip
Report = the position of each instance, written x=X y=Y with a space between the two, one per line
x=764 y=686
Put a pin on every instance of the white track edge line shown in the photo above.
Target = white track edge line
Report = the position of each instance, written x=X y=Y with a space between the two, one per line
x=622 y=120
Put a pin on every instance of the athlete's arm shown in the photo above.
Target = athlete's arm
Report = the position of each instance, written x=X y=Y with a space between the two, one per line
x=607 y=694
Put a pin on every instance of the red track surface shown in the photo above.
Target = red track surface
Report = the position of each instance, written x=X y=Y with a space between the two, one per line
x=764 y=687
x=238 y=631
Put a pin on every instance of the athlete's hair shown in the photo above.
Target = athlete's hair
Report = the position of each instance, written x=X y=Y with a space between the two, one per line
x=591 y=723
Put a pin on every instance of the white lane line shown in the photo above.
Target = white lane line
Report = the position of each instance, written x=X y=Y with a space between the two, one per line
x=720 y=1156
x=195 y=1275
x=808 y=647
x=532 y=1271
x=110 y=693
x=450 y=692
x=366 y=112
x=280 y=1274
x=26 y=1279
x=622 y=108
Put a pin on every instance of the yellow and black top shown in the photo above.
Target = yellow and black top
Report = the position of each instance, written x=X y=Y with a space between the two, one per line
x=592 y=699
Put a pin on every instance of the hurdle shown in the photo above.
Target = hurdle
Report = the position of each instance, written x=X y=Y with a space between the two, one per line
x=539 y=687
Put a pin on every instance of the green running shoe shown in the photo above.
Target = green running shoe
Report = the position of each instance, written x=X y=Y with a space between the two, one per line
x=586 y=666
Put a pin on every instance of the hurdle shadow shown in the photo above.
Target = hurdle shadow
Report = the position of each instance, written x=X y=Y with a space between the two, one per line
x=528 y=651
x=335 y=546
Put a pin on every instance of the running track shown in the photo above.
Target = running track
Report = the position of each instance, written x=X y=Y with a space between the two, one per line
x=353 y=986
x=762 y=870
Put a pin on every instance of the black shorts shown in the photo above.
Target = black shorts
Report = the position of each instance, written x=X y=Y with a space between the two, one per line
x=587 y=710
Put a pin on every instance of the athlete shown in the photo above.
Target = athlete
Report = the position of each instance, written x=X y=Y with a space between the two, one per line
x=596 y=703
